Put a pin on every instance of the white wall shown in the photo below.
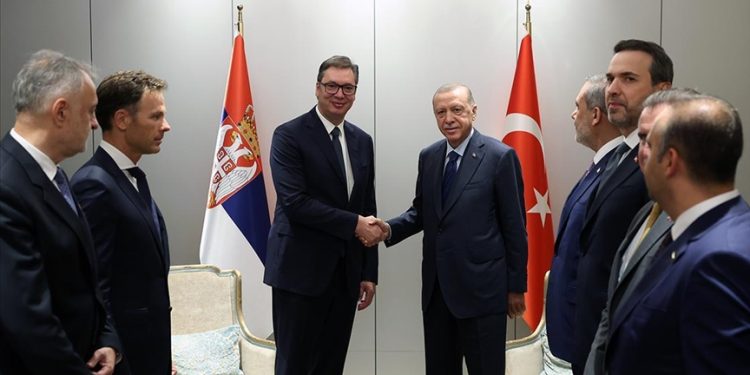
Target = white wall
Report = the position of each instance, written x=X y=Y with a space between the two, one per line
x=405 y=49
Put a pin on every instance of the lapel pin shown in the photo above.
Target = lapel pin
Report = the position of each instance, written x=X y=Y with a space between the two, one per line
x=474 y=155
x=674 y=255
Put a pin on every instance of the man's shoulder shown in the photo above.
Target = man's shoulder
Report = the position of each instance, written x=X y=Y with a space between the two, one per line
x=304 y=119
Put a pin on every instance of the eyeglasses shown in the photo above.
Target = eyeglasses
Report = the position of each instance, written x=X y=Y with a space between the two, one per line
x=332 y=88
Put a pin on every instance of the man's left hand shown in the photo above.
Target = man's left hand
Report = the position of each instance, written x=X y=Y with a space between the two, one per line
x=103 y=361
x=366 y=294
x=516 y=305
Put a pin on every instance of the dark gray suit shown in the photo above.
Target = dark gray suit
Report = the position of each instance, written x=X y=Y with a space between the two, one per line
x=474 y=248
x=619 y=291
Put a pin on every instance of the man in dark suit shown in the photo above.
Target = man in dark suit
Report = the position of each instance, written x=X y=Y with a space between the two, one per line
x=323 y=171
x=52 y=318
x=129 y=232
x=644 y=235
x=594 y=131
x=637 y=69
x=690 y=312
x=469 y=202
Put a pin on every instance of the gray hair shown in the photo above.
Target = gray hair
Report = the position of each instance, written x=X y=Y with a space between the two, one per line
x=47 y=75
x=594 y=96
x=452 y=86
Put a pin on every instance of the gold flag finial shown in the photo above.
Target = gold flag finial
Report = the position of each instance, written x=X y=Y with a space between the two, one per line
x=240 y=25
x=527 y=24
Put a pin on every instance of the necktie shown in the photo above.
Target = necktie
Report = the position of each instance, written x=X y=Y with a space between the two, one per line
x=449 y=174
x=62 y=183
x=612 y=164
x=335 y=133
x=145 y=193
x=650 y=220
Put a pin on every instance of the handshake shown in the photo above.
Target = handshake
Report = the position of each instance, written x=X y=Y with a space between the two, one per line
x=372 y=230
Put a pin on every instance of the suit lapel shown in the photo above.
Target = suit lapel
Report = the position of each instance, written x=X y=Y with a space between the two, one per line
x=352 y=146
x=667 y=257
x=54 y=199
x=470 y=160
x=654 y=237
x=319 y=137
x=587 y=182
x=622 y=173
x=103 y=159
x=435 y=165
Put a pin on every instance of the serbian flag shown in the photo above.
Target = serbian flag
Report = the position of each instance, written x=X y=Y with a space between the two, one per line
x=523 y=132
x=236 y=225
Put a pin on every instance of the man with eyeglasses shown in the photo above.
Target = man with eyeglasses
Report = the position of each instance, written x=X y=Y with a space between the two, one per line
x=322 y=255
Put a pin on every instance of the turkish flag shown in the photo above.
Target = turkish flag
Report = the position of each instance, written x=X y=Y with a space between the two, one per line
x=523 y=132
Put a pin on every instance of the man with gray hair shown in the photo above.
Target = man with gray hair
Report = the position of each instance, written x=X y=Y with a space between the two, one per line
x=593 y=130
x=469 y=203
x=52 y=318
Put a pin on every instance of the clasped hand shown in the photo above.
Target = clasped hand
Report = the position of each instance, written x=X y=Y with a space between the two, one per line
x=371 y=230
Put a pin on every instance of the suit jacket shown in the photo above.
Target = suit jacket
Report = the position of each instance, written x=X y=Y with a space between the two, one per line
x=133 y=259
x=313 y=228
x=475 y=244
x=619 y=291
x=607 y=219
x=561 y=286
x=690 y=313
x=52 y=318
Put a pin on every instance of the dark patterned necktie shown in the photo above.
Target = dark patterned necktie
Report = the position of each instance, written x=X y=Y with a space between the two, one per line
x=62 y=183
x=450 y=174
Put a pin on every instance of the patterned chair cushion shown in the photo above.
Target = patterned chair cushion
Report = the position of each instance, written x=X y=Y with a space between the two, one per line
x=212 y=352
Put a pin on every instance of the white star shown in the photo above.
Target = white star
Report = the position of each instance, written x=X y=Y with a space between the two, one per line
x=542 y=206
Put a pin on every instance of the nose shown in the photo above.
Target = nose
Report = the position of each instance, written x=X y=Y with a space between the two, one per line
x=94 y=124
x=166 y=127
x=574 y=114
x=613 y=88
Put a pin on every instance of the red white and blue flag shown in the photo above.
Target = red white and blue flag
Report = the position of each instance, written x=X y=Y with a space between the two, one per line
x=523 y=132
x=236 y=225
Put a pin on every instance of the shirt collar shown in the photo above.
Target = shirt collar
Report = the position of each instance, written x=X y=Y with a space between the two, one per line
x=604 y=150
x=461 y=148
x=632 y=139
x=123 y=162
x=693 y=213
x=48 y=166
x=329 y=125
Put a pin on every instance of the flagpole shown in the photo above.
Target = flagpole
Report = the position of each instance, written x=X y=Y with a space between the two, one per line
x=240 y=24
x=528 y=17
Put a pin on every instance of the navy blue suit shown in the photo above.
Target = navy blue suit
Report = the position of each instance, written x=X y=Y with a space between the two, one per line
x=561 y=286
x=133 y=256
x=312 y=250
x=621 y=288
x=608 y=216
x=474 y=247
x=52 y=317
x=691 y=312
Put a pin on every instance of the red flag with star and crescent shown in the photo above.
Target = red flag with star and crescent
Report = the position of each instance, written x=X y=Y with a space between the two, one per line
x=523 y=132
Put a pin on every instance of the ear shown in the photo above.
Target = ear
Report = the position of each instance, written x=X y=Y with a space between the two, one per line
x=59 y=110
x=121 y=119
x=597 y=117
x=664 y=85
x=474 y=111
x=672 y=162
